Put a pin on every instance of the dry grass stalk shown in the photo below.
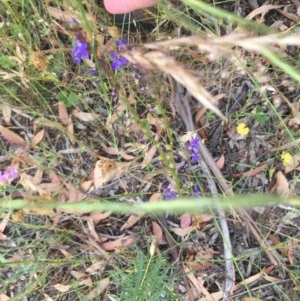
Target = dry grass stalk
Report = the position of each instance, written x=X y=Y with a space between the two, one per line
x=158 y=60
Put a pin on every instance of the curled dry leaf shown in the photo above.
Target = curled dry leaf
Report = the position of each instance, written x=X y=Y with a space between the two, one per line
x=107 y=169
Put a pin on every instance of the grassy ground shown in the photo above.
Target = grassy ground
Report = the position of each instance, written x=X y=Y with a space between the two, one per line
x=120 y=162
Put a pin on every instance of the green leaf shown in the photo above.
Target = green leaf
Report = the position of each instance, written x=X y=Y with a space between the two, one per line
x=69 y=99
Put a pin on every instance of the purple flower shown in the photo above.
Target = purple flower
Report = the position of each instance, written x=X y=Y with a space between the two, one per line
x=194 y=157
x=8 y=175
x=80 y=51
x=169 y=194
x=118 y=61
x=196 y=192
x=74 y=21
x=193 y=144
x=94 y=71
x=122 y=44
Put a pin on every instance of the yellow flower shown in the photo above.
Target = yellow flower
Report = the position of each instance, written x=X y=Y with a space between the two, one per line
x=286 y=158
x=242 y=129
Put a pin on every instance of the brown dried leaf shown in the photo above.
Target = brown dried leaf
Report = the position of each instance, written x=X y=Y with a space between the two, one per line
x=83 y=116
x=107 y=169
x=70 y=128
x=12 y=137
x=98 y=266
x=251 y=172
x=98 y=290
x=114 y=31
x=202 y=259
x=96 y=217
x=183 y=232
x=198 y=220
x=131 y=221
x=50 y=187
x=78 y=275
x=87 y=282
x=4 y=297
x=18 y=216
x=281 y=186
x=38 y=137
x=220 y=162
x=62 y=288
x=157 y=232
x=119 y=152
x=27 y=182
x=63 y=113
x=149 y=156
x=155 y=197
x=122 y=242
x=66 y=254
x=185 y=221
x=47 y=297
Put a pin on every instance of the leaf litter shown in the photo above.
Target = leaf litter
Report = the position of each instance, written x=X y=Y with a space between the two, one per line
x=127 y=149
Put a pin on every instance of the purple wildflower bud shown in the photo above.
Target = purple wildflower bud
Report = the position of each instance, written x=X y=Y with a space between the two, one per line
x=74 y=21
x=122 y=44
x=12 y=173
x=118 y=61
x=196 y=192
x=113 y=55
x=194 y=143
x=169 y=194
x=8 y=175
x=94 y=72
x=80 y=51
x=195 y=157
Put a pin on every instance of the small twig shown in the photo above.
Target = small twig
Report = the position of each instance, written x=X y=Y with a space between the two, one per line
x=182 y=106
x=271 y=253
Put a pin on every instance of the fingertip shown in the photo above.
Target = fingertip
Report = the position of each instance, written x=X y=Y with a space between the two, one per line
x=126 y=6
